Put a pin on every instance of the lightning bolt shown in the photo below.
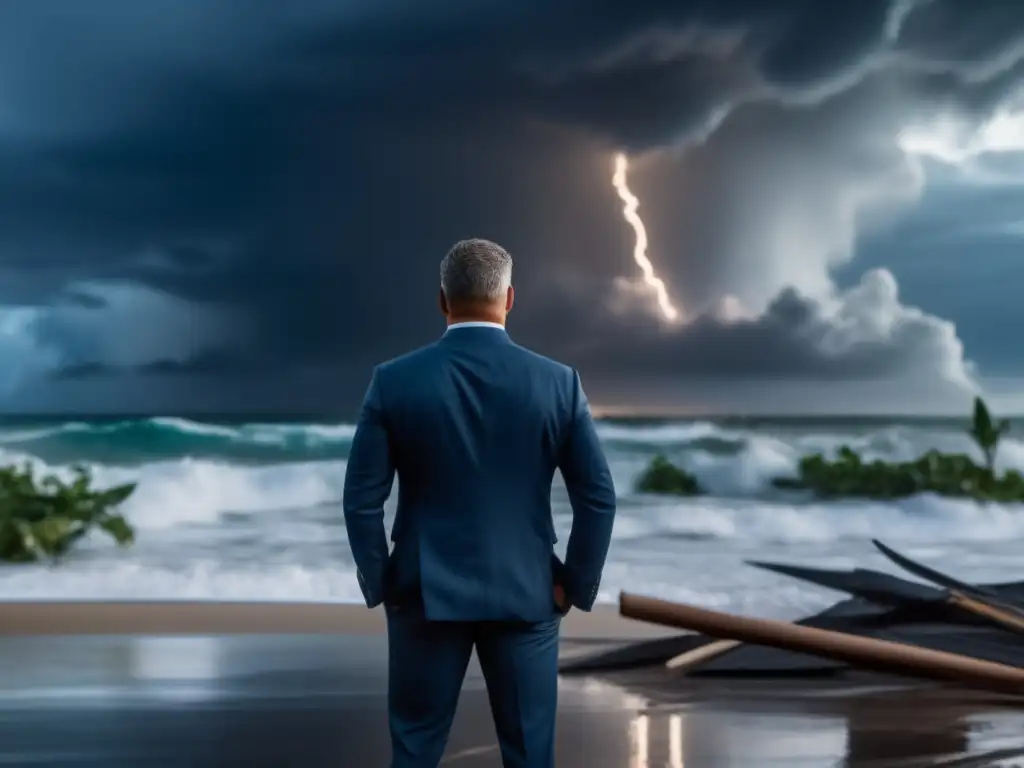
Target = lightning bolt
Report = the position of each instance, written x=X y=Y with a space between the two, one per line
x=630 y=204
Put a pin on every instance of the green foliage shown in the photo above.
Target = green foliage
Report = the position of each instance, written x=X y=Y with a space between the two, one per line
x=954 y=475
x=662 y=476
x=41 y=518
x=985 y=433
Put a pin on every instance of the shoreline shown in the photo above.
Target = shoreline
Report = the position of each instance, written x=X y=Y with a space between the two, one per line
x=205 y=683
x=195 y=617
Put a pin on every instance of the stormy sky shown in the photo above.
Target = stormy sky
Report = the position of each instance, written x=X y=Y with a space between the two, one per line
x=242 y=204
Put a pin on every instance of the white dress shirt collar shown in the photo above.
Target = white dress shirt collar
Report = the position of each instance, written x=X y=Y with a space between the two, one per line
x=475 y=324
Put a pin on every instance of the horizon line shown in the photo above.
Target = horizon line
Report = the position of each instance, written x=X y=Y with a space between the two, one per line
x=599 y=412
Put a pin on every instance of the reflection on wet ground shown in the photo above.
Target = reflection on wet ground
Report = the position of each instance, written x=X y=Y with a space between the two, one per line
x=319 y=701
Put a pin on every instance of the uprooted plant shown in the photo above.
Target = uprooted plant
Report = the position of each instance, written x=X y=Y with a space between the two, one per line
x=42 y=518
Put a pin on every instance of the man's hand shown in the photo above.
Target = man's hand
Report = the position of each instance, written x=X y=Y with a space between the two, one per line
x=561 y=600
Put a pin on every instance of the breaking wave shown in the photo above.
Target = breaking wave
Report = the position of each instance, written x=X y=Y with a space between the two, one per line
x=252 y=511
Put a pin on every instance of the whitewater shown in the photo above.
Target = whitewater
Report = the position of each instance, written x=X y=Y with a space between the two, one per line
x=252 y=511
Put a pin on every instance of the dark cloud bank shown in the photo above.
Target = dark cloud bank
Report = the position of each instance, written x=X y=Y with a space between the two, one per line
x=243 y=203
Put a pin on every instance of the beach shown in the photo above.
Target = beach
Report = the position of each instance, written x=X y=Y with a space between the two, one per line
x=262 y=684
x=231 y=632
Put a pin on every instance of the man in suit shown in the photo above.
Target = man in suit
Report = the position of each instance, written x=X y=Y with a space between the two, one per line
x=475 y=427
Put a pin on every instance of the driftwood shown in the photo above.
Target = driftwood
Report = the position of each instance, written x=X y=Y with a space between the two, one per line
x=883 y=589
x=873 y=586
x=865 y=652
x=876 y=587
x=982 y=621
x=697 y=656
x=977 y=600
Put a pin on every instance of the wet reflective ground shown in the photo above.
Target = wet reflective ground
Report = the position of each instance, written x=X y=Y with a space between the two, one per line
x=287 y=701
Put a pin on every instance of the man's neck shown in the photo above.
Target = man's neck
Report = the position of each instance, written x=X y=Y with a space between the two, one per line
x=476 y=318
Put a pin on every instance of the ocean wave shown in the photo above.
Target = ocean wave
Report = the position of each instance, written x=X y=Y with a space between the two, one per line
x=741 y=505
x=237 y=466
x=188 y=491
x=213 y=527
x=140 y=440
x=671 y=433
x=689 y=550
x=923 y=519
x=194 y=473
x=135 y=441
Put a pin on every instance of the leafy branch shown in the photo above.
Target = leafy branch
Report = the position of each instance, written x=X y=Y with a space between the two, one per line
x=41 y=518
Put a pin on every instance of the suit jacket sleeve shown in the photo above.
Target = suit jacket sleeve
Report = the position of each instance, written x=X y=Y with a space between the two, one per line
x=592 y=496
x=368 y=482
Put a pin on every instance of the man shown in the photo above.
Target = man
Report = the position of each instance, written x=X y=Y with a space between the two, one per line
x=475 y=426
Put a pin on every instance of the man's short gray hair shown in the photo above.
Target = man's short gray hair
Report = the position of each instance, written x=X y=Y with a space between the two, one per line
x=475 y=270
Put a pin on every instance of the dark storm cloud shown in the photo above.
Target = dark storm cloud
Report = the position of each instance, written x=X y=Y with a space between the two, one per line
x=286 y=177
x=202 y=364
x=971 y=34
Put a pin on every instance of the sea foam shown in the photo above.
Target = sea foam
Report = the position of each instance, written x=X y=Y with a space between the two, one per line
x=253 y=511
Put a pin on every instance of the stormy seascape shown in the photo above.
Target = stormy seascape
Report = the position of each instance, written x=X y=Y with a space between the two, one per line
x=226 y=207
x=243 y=516
x=251 y=510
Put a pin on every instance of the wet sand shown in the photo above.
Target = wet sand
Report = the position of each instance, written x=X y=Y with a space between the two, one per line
x=142 y=684
x=225 y=618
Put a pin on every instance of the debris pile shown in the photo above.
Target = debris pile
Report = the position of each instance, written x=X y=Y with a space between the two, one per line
x=943 y=629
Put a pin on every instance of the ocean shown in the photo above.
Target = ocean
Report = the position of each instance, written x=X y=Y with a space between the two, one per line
x=252 y=511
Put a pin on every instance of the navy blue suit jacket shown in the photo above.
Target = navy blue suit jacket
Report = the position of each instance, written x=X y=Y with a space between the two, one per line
x=475 y=427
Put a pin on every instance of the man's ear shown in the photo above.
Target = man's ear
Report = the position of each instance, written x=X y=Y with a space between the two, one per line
x=510 y=298
x=442 y=302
